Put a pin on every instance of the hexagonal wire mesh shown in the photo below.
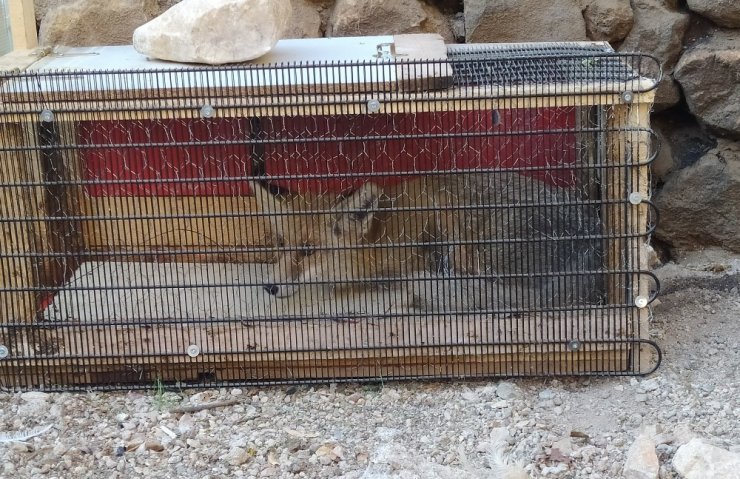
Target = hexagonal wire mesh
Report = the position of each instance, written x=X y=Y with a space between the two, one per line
x=481 y=215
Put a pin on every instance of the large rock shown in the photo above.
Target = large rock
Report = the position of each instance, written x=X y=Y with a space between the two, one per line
x=305 y=22
x=382 y=17
x=152 y=8
x=659 y=31
x=523 y=20
x=91 y=22
x=709 y=74
x=725 y=13
x=42 y=7
x=214 y=32
x=699 y=205
x=437 y=22
x=609 y=20
x=699 y=460
x=642 y=460
x=682 y=143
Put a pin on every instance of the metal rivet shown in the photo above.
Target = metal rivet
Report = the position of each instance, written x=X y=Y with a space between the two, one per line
x=373 y=106
x=193 y=350
x=635 y=197
x=628 y=96
x=4 y=352
x=574 y=345
x=641 y=301
x=46 y=116
x=207 y=111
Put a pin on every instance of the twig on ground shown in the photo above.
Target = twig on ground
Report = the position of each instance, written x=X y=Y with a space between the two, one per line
x=204 y=406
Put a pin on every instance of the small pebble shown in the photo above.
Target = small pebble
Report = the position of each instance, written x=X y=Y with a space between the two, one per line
x=506 y=390
x=546 y=394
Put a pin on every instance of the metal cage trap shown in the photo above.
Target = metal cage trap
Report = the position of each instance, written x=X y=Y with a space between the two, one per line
x=337 y=210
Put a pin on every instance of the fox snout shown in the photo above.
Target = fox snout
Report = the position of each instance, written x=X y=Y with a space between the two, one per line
x=272 y=289
x=279 y=290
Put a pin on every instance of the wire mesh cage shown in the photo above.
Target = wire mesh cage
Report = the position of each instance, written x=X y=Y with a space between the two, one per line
x=481 y=213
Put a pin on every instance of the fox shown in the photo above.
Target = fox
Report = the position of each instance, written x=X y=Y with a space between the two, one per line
x=460 y=241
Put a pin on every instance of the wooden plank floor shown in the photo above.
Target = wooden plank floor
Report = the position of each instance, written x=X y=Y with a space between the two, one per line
x=390 y=347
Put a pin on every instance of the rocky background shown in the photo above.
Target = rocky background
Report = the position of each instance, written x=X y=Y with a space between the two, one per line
x=697 y=110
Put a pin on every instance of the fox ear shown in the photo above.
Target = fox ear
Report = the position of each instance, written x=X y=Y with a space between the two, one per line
x=266 y=200
x=271 y=204
x=356 y=212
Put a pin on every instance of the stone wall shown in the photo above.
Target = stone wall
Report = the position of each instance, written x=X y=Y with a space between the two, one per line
x=697 y=111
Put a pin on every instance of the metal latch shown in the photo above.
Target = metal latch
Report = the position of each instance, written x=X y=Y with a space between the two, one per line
x=386 y=51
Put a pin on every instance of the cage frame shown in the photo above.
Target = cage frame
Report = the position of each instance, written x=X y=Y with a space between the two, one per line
x=525 y=352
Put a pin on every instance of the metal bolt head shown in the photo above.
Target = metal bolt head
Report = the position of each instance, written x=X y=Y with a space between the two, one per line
x=574 y=345
x=628 y=96
x=207 y=111
x=4 y=352
x=46 y=116
x=193 y=350
x=635 y=197
x=373 y=106
x=641 y=302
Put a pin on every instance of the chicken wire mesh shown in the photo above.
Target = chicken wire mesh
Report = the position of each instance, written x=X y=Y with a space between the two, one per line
x=484 y=215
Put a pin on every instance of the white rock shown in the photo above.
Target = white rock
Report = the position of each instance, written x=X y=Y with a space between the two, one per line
x=554 y=470
x=642 y=460
x=338 y=452
x=470 y=396
x=214 y=31
x=32 y=396
x=237 y=456
x=564 y=447
x=699 y=460
x=507 y=390
x=650 y=385
x=185 y=423
x=547 y=394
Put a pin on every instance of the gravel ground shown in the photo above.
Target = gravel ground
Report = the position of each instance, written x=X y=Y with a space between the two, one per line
x=566 y=428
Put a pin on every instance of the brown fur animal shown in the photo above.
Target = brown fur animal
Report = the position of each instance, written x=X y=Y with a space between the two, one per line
x=459 y=241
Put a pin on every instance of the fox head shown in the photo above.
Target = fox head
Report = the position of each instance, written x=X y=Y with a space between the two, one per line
x=319 y=237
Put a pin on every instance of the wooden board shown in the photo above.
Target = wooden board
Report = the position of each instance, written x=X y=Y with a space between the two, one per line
x=382 y=366
x=348 y=64
x=20 y=237
x=640 y=145
x=145 y=224
x=22 y=24
x=19 y=60
x=628 y=142
x=320 y=349
x=470 y=98
x=435 y=75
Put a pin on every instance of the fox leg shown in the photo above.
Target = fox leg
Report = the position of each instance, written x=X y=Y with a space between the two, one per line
x=463 y=258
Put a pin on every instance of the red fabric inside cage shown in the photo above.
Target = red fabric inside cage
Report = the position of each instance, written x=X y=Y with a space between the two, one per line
x=156 y=158
x=322 y=153
x=414 y=144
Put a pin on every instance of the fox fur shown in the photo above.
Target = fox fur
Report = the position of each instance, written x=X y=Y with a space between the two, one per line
x=469 y=240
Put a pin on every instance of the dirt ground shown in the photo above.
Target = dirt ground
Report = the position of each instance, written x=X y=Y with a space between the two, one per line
x=558 y=428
